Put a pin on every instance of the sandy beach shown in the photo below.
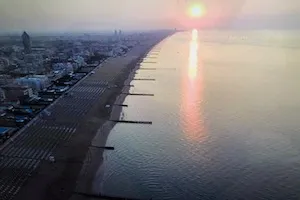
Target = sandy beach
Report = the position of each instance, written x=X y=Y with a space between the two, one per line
x=76 y=161
x=94 y=157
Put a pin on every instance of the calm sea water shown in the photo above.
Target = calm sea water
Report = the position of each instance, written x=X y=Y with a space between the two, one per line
x=226 y=121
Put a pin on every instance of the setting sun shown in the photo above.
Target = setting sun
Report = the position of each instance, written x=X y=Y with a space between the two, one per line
x=196 y=11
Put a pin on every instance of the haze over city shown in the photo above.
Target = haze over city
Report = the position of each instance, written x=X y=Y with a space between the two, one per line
x=95 y=15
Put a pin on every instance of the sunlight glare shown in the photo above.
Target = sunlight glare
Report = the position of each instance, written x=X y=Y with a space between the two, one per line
x=193 y=57
x=196 y=11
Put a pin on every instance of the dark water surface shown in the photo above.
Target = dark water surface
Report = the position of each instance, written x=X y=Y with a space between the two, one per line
x=226 y=121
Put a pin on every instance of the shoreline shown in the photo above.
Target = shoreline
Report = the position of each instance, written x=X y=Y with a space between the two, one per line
x=94 y=159
x=61 y=180
x=85 y=182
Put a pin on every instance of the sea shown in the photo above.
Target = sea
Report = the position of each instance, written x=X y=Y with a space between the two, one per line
x=225 y=120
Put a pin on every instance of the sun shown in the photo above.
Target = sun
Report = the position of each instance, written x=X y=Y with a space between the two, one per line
x=196 y=11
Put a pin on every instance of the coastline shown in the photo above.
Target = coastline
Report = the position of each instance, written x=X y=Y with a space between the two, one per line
x=94 y=158
x=58 y=180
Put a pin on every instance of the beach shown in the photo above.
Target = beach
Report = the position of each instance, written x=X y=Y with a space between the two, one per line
x=60 y=180
x=94 y=157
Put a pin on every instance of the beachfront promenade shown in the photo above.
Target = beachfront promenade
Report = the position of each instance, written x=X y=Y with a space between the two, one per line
x=65 y=133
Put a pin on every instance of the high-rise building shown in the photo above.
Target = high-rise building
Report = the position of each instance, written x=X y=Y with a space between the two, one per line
x=120 y=36
x=26 y=42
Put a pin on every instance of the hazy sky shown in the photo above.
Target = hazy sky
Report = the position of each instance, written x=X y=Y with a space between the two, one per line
x=47 y=15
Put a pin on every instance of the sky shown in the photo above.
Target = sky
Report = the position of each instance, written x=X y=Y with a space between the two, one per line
x=72 y=15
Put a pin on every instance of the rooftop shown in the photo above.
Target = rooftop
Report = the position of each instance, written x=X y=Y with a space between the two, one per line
x=3 y=130
x=14 y=86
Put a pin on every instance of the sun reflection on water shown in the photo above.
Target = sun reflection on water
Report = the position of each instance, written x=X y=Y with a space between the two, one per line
x=193 y=55
x=192 y=86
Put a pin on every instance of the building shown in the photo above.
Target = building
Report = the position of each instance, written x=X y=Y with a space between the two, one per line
x=33 y=58
x=36 y=82
x=2 y=95
x=5 y=79
x=79 y=60
x=4 y=63
x=66 y=68
x=15 y=92
x=26 y=42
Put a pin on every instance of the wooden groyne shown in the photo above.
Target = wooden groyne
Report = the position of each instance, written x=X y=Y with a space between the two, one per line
x=120 y=105
x=144 y=79
x=131 y=122
x=138 y=94
x=156 y=68
x=103 y=147
x=103 y=197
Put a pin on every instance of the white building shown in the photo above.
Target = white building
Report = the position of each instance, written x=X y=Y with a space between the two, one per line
x=66 y=68
x=36 y=82
x=79 y=60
